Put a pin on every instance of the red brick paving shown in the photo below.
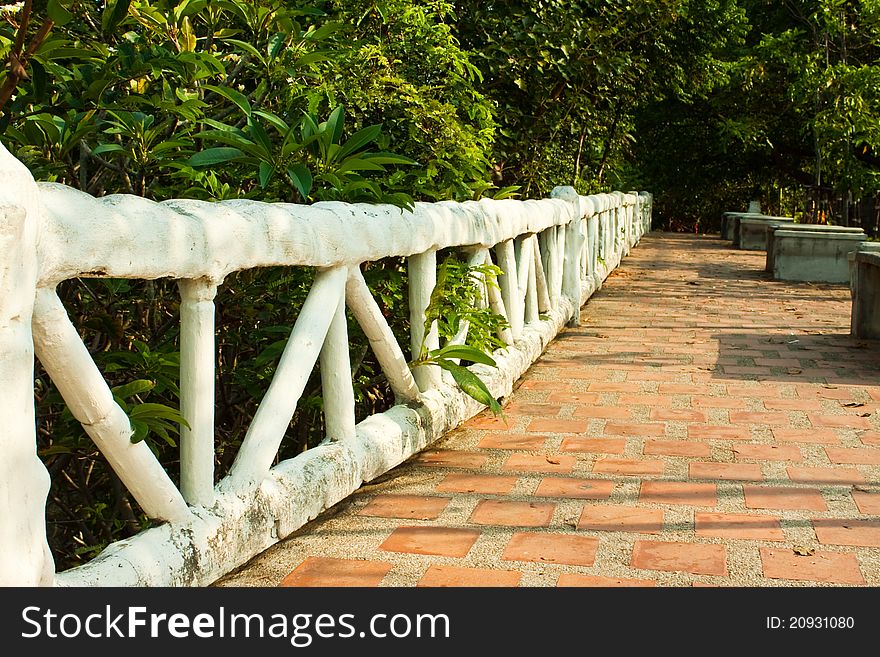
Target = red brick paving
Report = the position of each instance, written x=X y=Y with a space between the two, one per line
x=527 y=442
x=323 y=571
x=731 y=422
x=678 y=493
x=725 y=471
x=829 y=567
x=572 y=579
x=864 y=532
x=561 y=463
x=437 y=576
x=621 y=519
x=581 y=489
x=697 y=558
x=512 y=514
x=867 y=502
x=442 y=541
x=768 y=453
x=779 y=497
x=594 y=445
x=456 y=482
x=551 y=548
x=839 y=476
x=738 y=526
x=416 y=507
x=677 y=448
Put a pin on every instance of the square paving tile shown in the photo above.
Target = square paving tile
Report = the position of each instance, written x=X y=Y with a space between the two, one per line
x=560 y=463
x=677 y=448
x=440 y=541
x=547 y=425
x=529 y=442
x=697 y=558
x=678 y=492
x=839 y=421
x=615 y=518
x=594 y=445
x=631 y=467
x=513 y=514
x=415 y=507
x=838 y=476
x=484 y=484
x=783 y=497
x=861 y=532
x=868 y=502
x=752 y=452
x=437 y=576
x=812 y=435
x=580 y=489
x=325 y=571
x=725 y=471
x=826 y=567
x=738 y=526
x=710 y=432
x=856 y=456
x=575 y=579
x=552 y=548
x=452 y=458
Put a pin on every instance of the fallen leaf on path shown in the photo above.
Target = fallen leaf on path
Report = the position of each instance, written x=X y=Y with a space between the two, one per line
x=803 y=551
x=853 y=404
x=552 y=460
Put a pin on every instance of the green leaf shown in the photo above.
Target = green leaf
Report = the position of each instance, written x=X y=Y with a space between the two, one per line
x=216 y=155
x=139 y=429
x=114 y=12
x=150 y=411
x=334 y=124
x=471 y=385
x=275 y=120
x=133 y=388
x=358 y=164
x=358 y=140
x=231 y=94
x=301 y=177
x=244 y=45
x=58 y=13
x=266 y=171
x=388 y=158
x=276 y=44
x=464 y=352
x=107 y=148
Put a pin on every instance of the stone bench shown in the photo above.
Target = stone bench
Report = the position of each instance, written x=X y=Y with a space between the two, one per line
x=729 y=219
x=809 y=228
x=865 y=290
x=816 y=256
x=751 y=234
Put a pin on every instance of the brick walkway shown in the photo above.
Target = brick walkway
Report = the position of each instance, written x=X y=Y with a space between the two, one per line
x=704 y=426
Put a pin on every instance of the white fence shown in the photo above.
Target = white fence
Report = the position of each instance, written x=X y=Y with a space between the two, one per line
x=554 y=253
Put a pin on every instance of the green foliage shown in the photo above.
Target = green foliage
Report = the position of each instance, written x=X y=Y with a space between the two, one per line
x=456 y=303
x=796 y=108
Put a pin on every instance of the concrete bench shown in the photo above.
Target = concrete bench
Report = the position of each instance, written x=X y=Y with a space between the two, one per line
x=816 y=256
x=751 y=234
x=728 y=225
x=809 y=228
x=865 y=290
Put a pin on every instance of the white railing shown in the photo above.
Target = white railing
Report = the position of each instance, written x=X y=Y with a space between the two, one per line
x=554 y=254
